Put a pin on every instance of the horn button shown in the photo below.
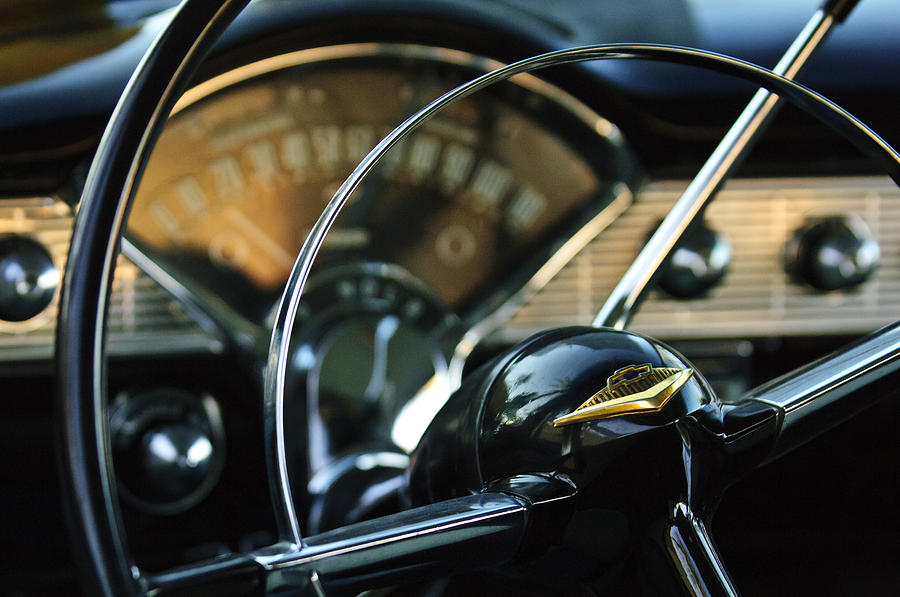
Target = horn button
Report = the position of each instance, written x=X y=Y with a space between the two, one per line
x=500 y=423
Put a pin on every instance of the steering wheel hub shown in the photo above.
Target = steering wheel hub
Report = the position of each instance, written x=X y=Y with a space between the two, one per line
x=501 y=421
x=497 y=433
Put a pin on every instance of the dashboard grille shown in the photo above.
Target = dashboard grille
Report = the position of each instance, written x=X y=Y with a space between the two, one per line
x=757 y=297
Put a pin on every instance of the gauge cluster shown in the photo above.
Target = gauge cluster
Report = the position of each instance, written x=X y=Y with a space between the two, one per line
x=251 y=157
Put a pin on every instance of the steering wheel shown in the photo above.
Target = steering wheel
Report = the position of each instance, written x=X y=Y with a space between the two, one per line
x=500 y=487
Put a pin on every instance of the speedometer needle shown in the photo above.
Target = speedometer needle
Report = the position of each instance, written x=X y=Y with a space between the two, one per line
x=384 y=331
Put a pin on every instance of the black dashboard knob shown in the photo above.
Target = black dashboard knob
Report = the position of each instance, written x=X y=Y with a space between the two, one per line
x=28 y=278
x=833 y=253
x=173 y=461
x=699 y=262
x=168 y=446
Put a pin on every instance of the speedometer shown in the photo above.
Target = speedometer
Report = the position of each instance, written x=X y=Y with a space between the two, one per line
x=250 y=157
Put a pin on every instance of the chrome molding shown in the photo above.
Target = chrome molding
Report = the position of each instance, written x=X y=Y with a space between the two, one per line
x=207 y=309
x=246 y=72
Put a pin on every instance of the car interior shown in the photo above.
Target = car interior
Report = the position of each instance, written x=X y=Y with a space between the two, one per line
x=262 y=399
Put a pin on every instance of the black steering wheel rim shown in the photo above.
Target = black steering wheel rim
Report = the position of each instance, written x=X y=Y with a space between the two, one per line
x=88 y=478
x=89 y=492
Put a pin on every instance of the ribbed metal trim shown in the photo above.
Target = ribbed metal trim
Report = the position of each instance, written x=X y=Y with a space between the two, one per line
x=756 y=298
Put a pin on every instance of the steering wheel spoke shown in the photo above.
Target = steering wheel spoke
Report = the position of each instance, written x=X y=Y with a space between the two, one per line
x=814 y=398
x=469 y=533
x=694 y=556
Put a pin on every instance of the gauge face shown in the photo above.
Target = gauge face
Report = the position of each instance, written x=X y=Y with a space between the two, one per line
x=240 y=175
x=374 y=337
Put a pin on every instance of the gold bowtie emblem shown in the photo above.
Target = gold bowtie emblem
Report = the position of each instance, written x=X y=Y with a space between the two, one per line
x=630 y=390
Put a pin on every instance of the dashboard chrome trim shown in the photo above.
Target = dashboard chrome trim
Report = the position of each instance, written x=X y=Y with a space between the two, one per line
x=142 y=321
x=212 y=313
x=756 y=298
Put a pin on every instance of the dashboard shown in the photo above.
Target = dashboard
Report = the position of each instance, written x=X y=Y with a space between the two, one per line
x=513 y=211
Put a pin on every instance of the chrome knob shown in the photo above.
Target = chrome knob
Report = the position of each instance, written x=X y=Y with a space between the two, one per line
x=834 y=253
x=28 y=278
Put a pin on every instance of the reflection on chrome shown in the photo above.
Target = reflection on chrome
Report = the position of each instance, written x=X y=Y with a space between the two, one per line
x=415 y=416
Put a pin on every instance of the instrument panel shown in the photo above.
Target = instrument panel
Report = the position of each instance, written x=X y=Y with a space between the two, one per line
x=479 y=199
x=482 y=221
